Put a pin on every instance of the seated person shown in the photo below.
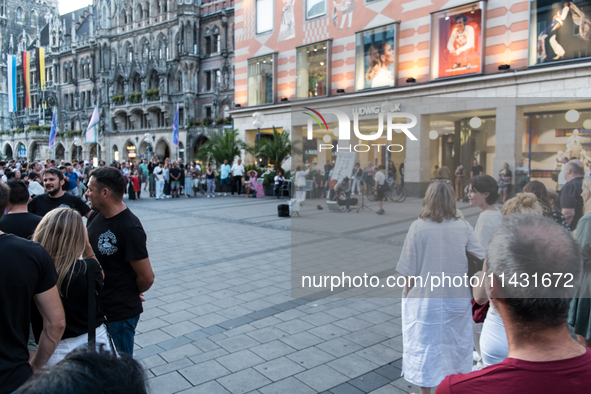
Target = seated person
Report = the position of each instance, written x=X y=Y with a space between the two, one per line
x=343 y=191
x=543 y=356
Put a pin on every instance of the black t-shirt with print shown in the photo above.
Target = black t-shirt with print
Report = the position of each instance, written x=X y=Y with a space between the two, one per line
x=117 y=241
x=42 y=204
x=26 y=269
x=477 y=170
x=21 y=224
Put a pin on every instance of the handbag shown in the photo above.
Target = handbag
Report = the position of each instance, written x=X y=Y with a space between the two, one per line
x=474 y=264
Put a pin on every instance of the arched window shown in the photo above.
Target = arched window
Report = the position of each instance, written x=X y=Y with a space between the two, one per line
x=147 y=10
x=33 y=18
x=19 y=15
x=104 y=17
x=123 y=17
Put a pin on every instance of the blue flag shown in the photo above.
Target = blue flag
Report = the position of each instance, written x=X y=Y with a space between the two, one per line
x=175 y=128
x=52 y=132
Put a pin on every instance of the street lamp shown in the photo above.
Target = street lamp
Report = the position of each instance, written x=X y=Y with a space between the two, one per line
x=78 y=144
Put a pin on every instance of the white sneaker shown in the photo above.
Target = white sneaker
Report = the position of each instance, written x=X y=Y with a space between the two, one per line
x=219 y=194
x=225 y=194
x=208 y=196
x=213 y=196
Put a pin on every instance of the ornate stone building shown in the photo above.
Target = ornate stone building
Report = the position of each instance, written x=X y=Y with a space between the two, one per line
x=137 y=61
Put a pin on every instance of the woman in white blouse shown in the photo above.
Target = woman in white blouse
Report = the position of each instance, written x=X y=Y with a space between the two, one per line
x=436 y=324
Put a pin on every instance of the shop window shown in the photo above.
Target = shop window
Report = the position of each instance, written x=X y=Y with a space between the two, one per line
x=375 y=58
x=264 y=17
x=312 y=70
x=260 y=80
x=315 y=8
x=559 y=31
x=456 y=41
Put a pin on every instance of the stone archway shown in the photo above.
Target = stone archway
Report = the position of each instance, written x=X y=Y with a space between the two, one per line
x=162 y=150
x=145 y=150
x=60 y=152
x=7 y=152
x=198 y=144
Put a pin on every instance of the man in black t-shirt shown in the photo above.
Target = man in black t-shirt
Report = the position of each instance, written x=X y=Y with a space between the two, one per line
x=571 y=200
x=175 y=174
x=476 y=169
x=19 y=221
x=26 y=274
x=119 y=243
x=55 y=197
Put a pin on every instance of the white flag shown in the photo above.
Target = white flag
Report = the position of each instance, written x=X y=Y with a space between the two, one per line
x=91 y=133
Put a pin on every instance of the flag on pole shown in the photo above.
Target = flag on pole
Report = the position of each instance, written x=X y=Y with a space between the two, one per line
x=52 y=132
x=91 y=134
x=11 y=64
x=40 y=63
x=27 y=78
x=175 y=128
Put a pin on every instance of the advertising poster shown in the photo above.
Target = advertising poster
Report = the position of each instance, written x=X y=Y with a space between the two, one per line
x=376 y=58
x=459 y=47
x=562 y=30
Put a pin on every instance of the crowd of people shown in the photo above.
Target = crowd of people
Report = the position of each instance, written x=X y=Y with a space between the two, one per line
x=491 y=337
x=66 y=286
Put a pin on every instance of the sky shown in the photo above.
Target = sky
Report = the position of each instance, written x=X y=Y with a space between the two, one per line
x=72 y=5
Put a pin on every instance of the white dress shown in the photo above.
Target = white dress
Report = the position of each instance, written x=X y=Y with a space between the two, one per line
x=384 y=77
x=437 y=325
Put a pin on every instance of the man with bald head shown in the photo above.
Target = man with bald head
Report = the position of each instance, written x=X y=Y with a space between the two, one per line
x=571 y=200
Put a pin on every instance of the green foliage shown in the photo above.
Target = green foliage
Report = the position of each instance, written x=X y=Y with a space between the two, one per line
x=206 y=122
x=135 y=97
x=46 y=128
x=228 y=120
x=153 y=94
x=251 y=167
x=279 y=149
x=119 y=99
x=222 y=145
x=219 y=120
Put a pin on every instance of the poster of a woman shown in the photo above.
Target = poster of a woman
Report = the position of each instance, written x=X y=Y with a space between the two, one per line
x=376 y=58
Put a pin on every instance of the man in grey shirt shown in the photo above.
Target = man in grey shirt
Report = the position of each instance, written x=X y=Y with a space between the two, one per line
x=343 y=191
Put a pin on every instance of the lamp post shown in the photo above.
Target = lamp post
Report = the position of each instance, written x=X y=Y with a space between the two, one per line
x=77 y=143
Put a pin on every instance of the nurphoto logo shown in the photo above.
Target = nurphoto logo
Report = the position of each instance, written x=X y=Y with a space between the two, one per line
x=344 y=128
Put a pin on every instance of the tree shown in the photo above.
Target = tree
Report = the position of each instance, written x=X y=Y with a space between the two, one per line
x=279 y=149
x=222 y=145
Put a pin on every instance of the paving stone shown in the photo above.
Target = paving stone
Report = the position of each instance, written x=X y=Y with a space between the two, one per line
x=173 y=366
x=236 y=322
x=206 y=345
x=179 y=329
x=310 y=357
x=147 y=352
x=178 y=316
x=212 y=387
x=183 y=351
x=213 y=354
x=301 y=340
x=339 y=347
x=287 y=386
x=204 y=372
x=328 y=331
x=237 y=343
x=345 y=388
x=365 y=338
x=244 y=381
x=169 y=383
x=238 y=361
x=279 y=369
x=379 y=354
x=352 y=365
x=369 y=382
x=406 y=386
x=294 y=326
x=389 y=372
x=152 y=361
x=389 y=389
x=267 y=334
x=272 y=350
x=321 y=378
x=151 y=338
x=151 y=324
x=174 y=343
x=319 y=319
x=353 y=324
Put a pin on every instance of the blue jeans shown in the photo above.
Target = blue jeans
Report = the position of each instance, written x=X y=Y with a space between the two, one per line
x=123 y=334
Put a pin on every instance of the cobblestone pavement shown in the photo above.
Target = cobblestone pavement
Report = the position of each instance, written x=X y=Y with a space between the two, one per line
x=220 y=317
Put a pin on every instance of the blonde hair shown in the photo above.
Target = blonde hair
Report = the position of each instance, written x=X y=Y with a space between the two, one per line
x=375 y=62
x=523 y=203
x=61 y=233
x=586 y=195
x=439 y=203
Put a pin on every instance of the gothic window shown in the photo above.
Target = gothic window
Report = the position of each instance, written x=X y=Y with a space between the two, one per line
x=123 y=17
x=130 y=15
x=218 y=78
x=19 y=15
x=207 y=77
x=104 y=17
x=147 y=10
x=33 y=18
x=179 y=84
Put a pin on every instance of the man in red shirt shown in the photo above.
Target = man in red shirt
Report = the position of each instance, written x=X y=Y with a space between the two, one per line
x=543 y=357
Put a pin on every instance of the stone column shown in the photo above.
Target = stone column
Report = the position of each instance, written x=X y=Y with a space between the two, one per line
x=417 y=165
x=510 y=127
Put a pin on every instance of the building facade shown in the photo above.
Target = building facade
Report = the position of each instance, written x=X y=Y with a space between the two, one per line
x=137 y=61
x=497 y=81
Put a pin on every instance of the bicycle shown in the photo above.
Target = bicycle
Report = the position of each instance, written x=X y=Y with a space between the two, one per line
x=396 y=193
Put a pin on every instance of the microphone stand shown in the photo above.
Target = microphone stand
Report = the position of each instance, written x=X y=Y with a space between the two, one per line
x=363 y=191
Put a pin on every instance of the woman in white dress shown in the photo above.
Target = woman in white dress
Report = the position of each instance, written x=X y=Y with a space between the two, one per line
x=436 y=325
x=378 y=72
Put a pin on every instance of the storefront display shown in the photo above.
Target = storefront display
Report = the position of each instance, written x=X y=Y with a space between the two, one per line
x=260 y=80
x=375 y=58
x=312 y=70
x=559 y=30
x=456 y=41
